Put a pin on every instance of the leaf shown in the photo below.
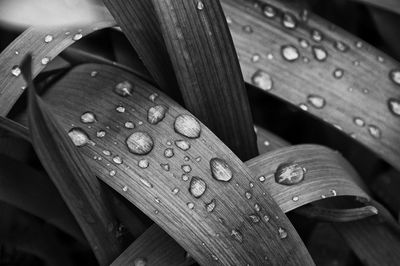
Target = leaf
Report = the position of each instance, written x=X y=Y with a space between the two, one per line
x=17 y=129
x=75 y=181
x=388 y=5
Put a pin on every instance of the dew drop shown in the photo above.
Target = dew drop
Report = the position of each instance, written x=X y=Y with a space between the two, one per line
x=333 y=192
x=129 y=125
x=106 y=152
x=45 y=60
x=319 y=53
x=316 y=101
x=182 y=144
x=100 y=134
x=123 y=89
x=214 y=257
x=255 y=58
x=15 y=71
x=78 y=136
x=190 y=205
x=186 y=168
x=143 y=163
x=395 y=76
x=269 y=11
x=93 y=74
x=120 y=109
x=237 y=235
x=257 y=207
x=229 y=20
x=198 y=159
x=197 y=187
x=394 y=106
x=146 y=183
x=200 y=5
x=338 y=73
x=304 y=43
x=359 y=44
x=255 y=218
x=266 y=218
x=165 y=166
x=251 y=185
x=261 y=178
x=374 y=131
x=48 y=38
x=316 y=35
x=88 y=118
x=247 y=29
x=303 y=107
x=125 y=188
x=359 y=121
x=289 y=174
x=295 y=198
x=185 y=177
x=248 y=195
x=112 y=173
x=262 y=80
x=341 y=46
x=153 y=97
x=175 y=190
x=289 y=21
x=187 y=126
x=210 y=206
x=139 y=143
x=140 y=262
x=77 y=37
x=117 y=160
x=220 y=170
x=266 y=143
x=156 y=114
x=290 y=53
x=282 y=233
x=168 y=153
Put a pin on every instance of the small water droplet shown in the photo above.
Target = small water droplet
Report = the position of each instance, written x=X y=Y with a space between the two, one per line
x=394 y=106
x=266 y=218
x=198 y=159
x=77 y=36
x=266 y=143
x=289 y=21
x=15 y=71
x=125 y=188
x=143 y=163
x=316 y=101
x=255 y=218
x=190 y=205
x=304 y=15
x=304 y=43
x=269 y=11
x=257 y=207
x=248 y=195
x=88 y=118
x=247 y=29
x=290 y=53
x=341 y=46
x=78 y=136
x=237 y=235
x=153 y=97
x=186 y=168
x=140 y=262
x=112 y=173
x=282 y=233
x=319 y=53
x=220 y=170
x=45 y=60
x=187 y=126
x=211 y=205
x=255 y=58
x=359 y=44
x=200 y=5
x=289 y=174
x=380 y=59
x=106 y=152
x=93 y=74
x=333 y=192
x=229 y=20
x=146 y=183
x=338 y=73
x=165 y=166
x=303 y=107
x=261 y=178
x=120 y=109
x=262 y=80
x=182 y=144
x=48 y=38
x=374 y=131
x=139 y=143
x=295 y=198
x=356 y=63
x=395 y=76
x=197 y=187
x=124 y=89
x=100 y=134
x=214 y=257
x=270 y=56
x=175 y=190
x=316 y=35
x=156 y=114
x=169 y=152
x=117 y=160
x=185 y=177
x=251 y=185
x=359 y=121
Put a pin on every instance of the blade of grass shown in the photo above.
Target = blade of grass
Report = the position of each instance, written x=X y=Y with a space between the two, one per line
x=337 y=215
x=18 y=129
x=72 y=176
x=389 y=5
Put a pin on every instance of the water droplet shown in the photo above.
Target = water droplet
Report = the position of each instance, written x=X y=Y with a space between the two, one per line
x=282 y=233
x=220 y=170
x=197 y=187
x=289 y=174
x=182 y=144
x=143 y=163
x=338 y=73
x=247 y=29
x=359 y=44
x=262 y=80
x=289 y=21
x=262 y=178
x=266 y=218
x=156 y=113
x=255 y=58
x=251 y=185
x=211 y=205
x=304 y=15
x=106 y=152
x=45 y=60
x=93 y=74
x=380 y=59
x=359 y=121
x=316 y=35
x=237 y=235
x=229 y=20
x=165 y=166
x=257 y=207
x=175 y=190
x=185 y=177
x=187 y=126
x=200 y=5
x=78 y=136
x=190 y=205
x=316 y=101
x=214 y=257
x=77 y=37
x=112 y=173
x=120 y=109
x=15 y=71
x=295 y=198
x=303 y=107
x=153 y=97
x=198 y=159
x=290 y=53
x=333 y=192
x=374 y=131
x=100 y=134
x=395 y=76
x=124 y=89
x=304 y=43
x=146 y=183
x=140 y=262
x=269 y=11
x=139 y=143
x=48 y=38
x=266 y=143
x=88 y=118
x=341 y=46
x=125 y=188
x=168 y=153
x=248 y=195
x=319 y=53
x=394 y=106
x=255 y=218
x=186 y=168
x=356 y=62
x=117 y=160
x=270 y=56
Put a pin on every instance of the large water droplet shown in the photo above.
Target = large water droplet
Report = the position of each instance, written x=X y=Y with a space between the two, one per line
x=15 y=71
x=210 y=206
x=78 y=136
x=187 y=126
x=282 y=233
x=144 y=163
x=374 y=131
x=394 y=106
x=156 y=113
x=140 y=262
x=289 y=21
x=182 y=144
x=237 y=235
x=262 y=80
x=220 y=170
x=289 y=174
x=124 y=89
x=316 y=101
x=290 y=53
x=319 y=53
x=88 y=118
x=139 y=143
x=197 y=187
